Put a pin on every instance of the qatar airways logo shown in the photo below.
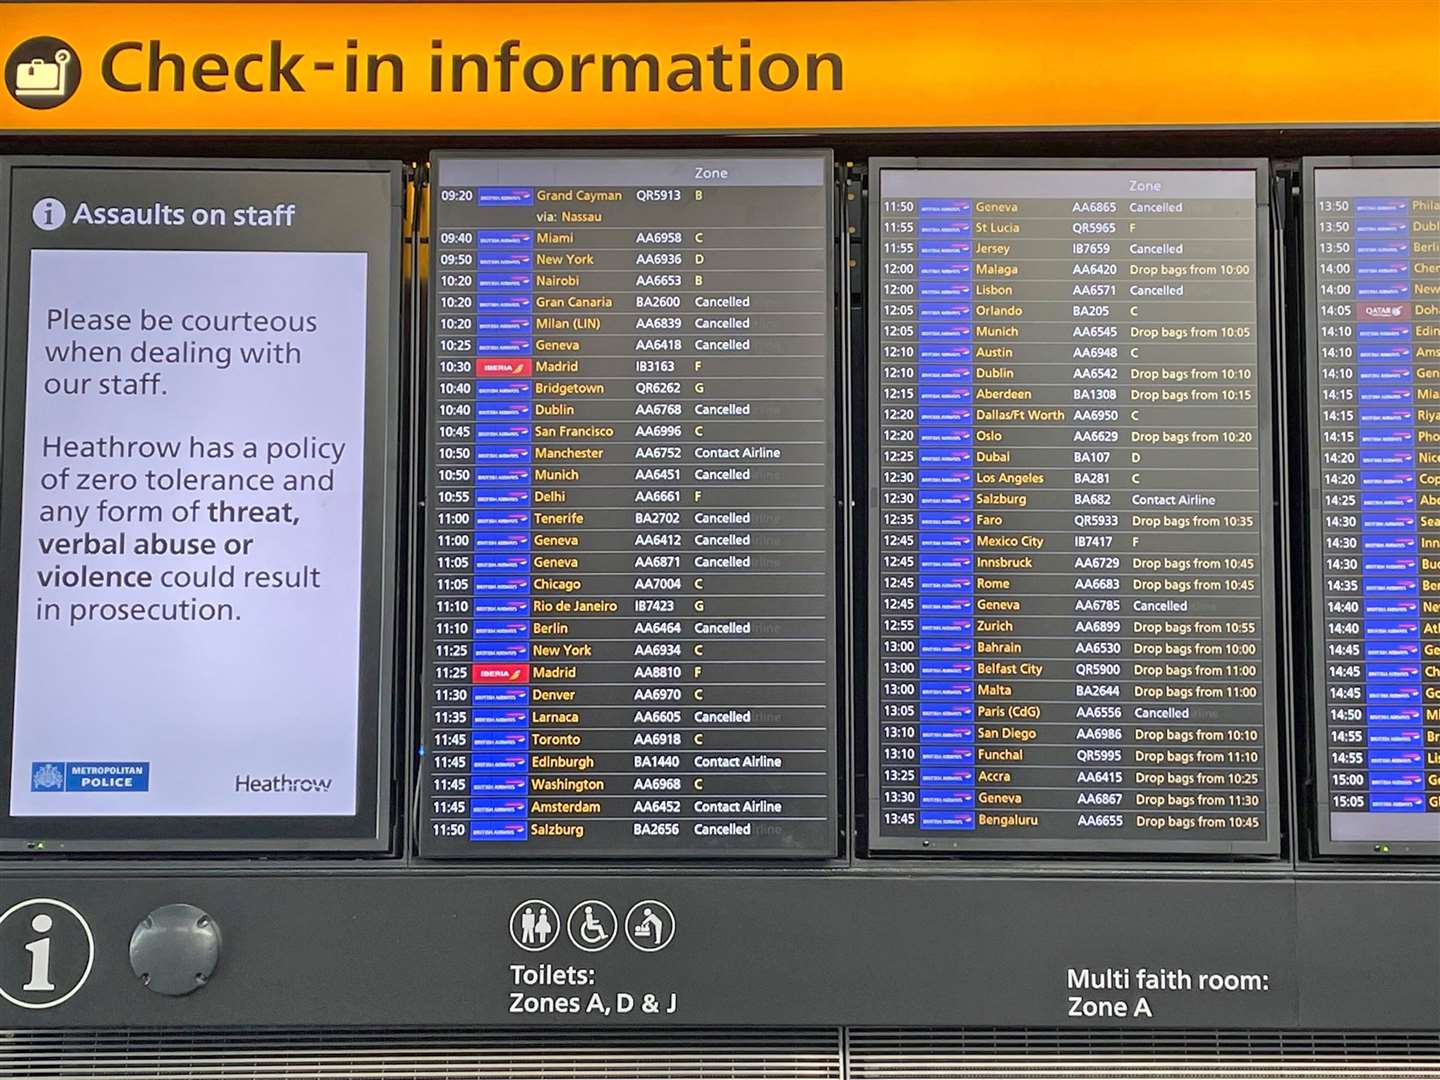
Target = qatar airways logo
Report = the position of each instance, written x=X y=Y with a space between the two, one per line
x=1392 y=312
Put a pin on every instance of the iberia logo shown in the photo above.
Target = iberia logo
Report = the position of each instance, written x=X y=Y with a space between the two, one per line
x=42 y=73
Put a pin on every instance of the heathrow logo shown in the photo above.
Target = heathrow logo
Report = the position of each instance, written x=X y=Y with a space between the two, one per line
x=42 y=73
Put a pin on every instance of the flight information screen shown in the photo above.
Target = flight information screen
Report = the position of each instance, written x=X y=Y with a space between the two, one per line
x=197 y=529
x=630 y=579
x=1071 y=589
x=1374 y=374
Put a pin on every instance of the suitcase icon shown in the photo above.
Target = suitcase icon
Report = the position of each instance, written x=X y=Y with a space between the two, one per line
x=41 y=78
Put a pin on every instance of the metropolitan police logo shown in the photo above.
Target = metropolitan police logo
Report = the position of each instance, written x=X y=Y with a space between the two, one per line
x=48 y=776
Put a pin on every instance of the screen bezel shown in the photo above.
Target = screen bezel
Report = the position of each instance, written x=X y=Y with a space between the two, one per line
x=426 y=847
x=1315 y=579
x=945 y=845
x=369 y=828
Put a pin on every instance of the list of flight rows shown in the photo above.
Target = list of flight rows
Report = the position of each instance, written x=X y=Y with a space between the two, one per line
x=660 y=413
x=1376 y=373
x=1070 y=581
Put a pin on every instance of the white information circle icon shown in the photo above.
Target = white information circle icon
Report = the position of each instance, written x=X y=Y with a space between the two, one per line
x=43 y=922
x=49 y=214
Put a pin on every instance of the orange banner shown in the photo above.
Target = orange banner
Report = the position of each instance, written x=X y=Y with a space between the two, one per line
x=556 y=67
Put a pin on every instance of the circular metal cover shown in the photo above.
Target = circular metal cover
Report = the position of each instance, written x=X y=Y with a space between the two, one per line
x=175 y=949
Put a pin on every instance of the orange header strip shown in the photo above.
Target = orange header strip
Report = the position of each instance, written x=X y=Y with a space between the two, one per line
x=854 y=65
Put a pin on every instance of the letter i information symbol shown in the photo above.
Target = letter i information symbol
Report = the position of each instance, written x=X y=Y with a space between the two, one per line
x=39 y=951
x=49 y=214
x=46 y=953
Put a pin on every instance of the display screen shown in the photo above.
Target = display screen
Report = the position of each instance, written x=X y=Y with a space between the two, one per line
x=1072 y=602
x=1373 y=363
x=630 y=563
x=197 y=369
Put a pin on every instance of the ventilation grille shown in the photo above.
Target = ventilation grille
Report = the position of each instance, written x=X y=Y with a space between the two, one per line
x=1052 y=1054
x=869 y=1054
x=420 y=1055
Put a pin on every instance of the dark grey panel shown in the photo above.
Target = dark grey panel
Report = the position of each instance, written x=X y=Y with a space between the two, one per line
x=816 y=948
x=1370 y=952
